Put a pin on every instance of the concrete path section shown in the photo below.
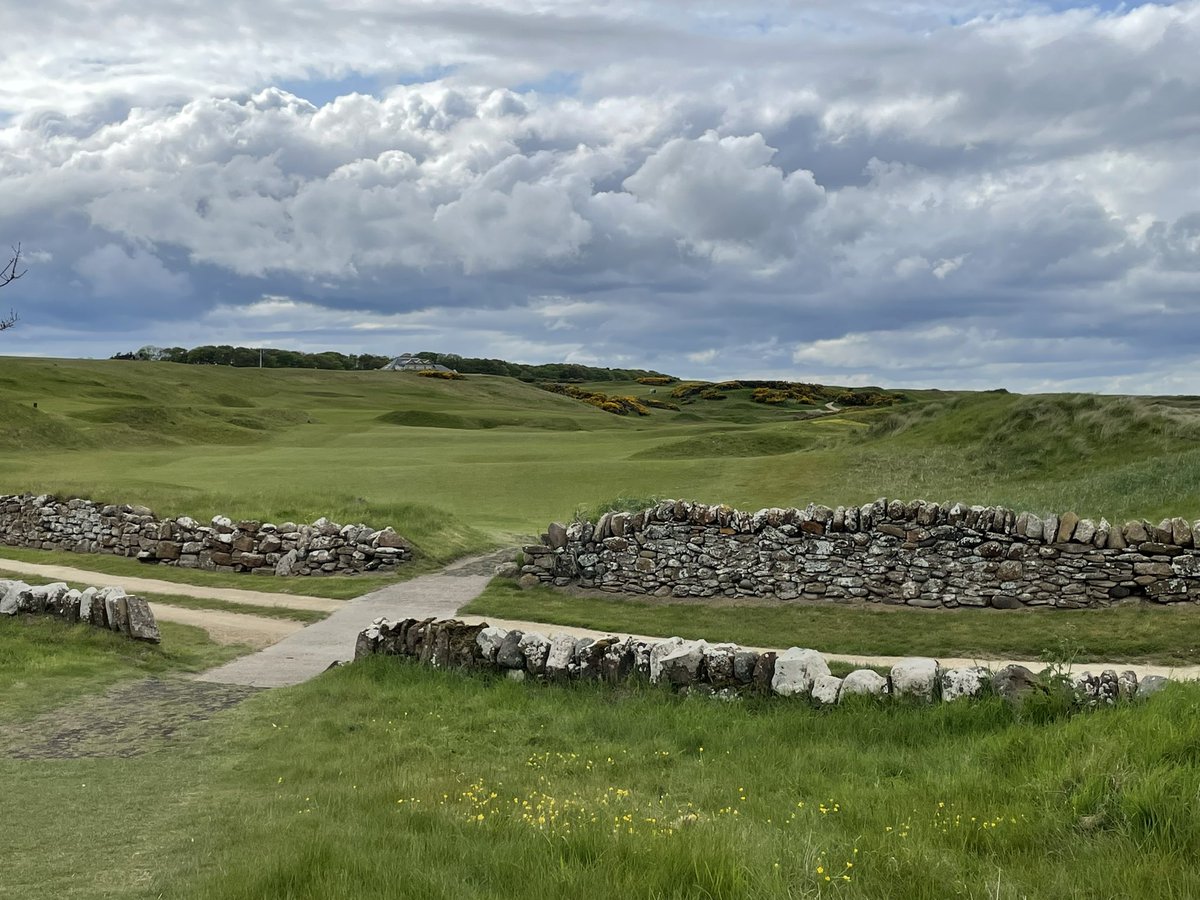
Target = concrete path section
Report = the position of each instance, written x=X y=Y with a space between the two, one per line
x=135 y=585
x=310 y=651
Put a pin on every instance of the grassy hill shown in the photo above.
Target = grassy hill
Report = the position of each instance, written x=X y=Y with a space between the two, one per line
x=462 y=464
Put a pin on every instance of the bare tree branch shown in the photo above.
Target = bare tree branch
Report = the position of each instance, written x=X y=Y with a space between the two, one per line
x=8 y=275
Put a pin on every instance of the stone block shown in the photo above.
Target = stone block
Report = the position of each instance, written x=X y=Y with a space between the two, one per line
x=796 y=671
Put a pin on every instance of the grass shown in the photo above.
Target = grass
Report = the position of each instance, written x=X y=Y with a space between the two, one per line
x=271 y=612
x=1161 y=635
x=370 y=780
x=307 y=616
x=45 y=661
x=415 y=782
x=337 y=587
x=464 y=466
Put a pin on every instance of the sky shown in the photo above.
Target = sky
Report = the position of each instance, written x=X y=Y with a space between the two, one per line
x=908 y=193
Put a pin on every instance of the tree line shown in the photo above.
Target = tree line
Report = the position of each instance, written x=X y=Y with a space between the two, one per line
x=253 y=357
x=562 y=372
x=272 y=358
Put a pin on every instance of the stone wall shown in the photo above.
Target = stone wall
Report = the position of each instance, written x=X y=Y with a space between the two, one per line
x=108 y=607
x=916 y=553
x=724 y=670
x=83 y=526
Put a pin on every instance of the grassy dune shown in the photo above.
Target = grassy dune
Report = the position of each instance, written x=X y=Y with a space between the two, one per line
x=462 y=465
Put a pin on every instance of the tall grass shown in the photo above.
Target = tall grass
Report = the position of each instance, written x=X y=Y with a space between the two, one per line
x=588 y=793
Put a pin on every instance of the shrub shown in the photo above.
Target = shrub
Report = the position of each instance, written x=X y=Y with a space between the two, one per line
x=689 y=389
x=445 y=376
x=657 y=380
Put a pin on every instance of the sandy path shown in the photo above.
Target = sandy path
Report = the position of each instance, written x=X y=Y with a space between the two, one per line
x=135 y=585
x=229 y=627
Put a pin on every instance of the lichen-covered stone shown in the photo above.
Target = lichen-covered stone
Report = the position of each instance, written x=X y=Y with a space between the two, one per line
x=965 y=682
x=915 y=677
x=826 y=689
x=797 y=670
x=863 y=682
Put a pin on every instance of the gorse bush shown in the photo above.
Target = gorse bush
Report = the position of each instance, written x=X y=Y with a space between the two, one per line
x=444 y=376
x=620 y=406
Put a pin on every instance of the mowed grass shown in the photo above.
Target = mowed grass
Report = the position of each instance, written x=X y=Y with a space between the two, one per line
x=335 y=587
x=44 y=661
x=384 y=779
x=1135 y=633
x=462 y=466
x=271 y=612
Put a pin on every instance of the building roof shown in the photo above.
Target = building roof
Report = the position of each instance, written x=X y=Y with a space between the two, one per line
x=406 y=362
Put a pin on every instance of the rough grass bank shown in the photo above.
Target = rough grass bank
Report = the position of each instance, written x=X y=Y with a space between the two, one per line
x=415 y=782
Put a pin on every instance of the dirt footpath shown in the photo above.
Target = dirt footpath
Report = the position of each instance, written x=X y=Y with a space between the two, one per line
x=136 y=585
x=229 y=627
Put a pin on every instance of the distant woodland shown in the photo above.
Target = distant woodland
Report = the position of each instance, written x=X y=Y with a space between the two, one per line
x=273 y=358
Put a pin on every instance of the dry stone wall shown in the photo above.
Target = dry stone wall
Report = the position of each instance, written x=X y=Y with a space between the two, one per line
x=108 y=607
x=916 y=553
x=723 y=670
x=82 y=526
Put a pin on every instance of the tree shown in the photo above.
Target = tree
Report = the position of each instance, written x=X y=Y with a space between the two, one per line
x=8 y=275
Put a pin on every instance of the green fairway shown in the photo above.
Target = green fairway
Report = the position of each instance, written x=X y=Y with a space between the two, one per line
x=459 y=466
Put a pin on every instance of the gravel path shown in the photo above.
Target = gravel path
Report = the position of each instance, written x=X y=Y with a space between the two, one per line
x=128 y=719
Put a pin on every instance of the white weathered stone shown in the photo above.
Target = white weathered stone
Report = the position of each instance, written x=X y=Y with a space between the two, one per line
x=681 y=666
x=796 y=671
x=660 y=650
x=86 y=599
x=718 y=663
x=287 y=564
x=9 y=597
x=110 y=597
x=965 y=682
x=54 y=594
x=863 y=681
x=826 y=689
x=915 y=677
x=562 y=648
x=536 y=648
x=489 y=641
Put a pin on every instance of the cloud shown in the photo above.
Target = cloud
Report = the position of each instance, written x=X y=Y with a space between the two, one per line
x=113 y=272
x=921 y=192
